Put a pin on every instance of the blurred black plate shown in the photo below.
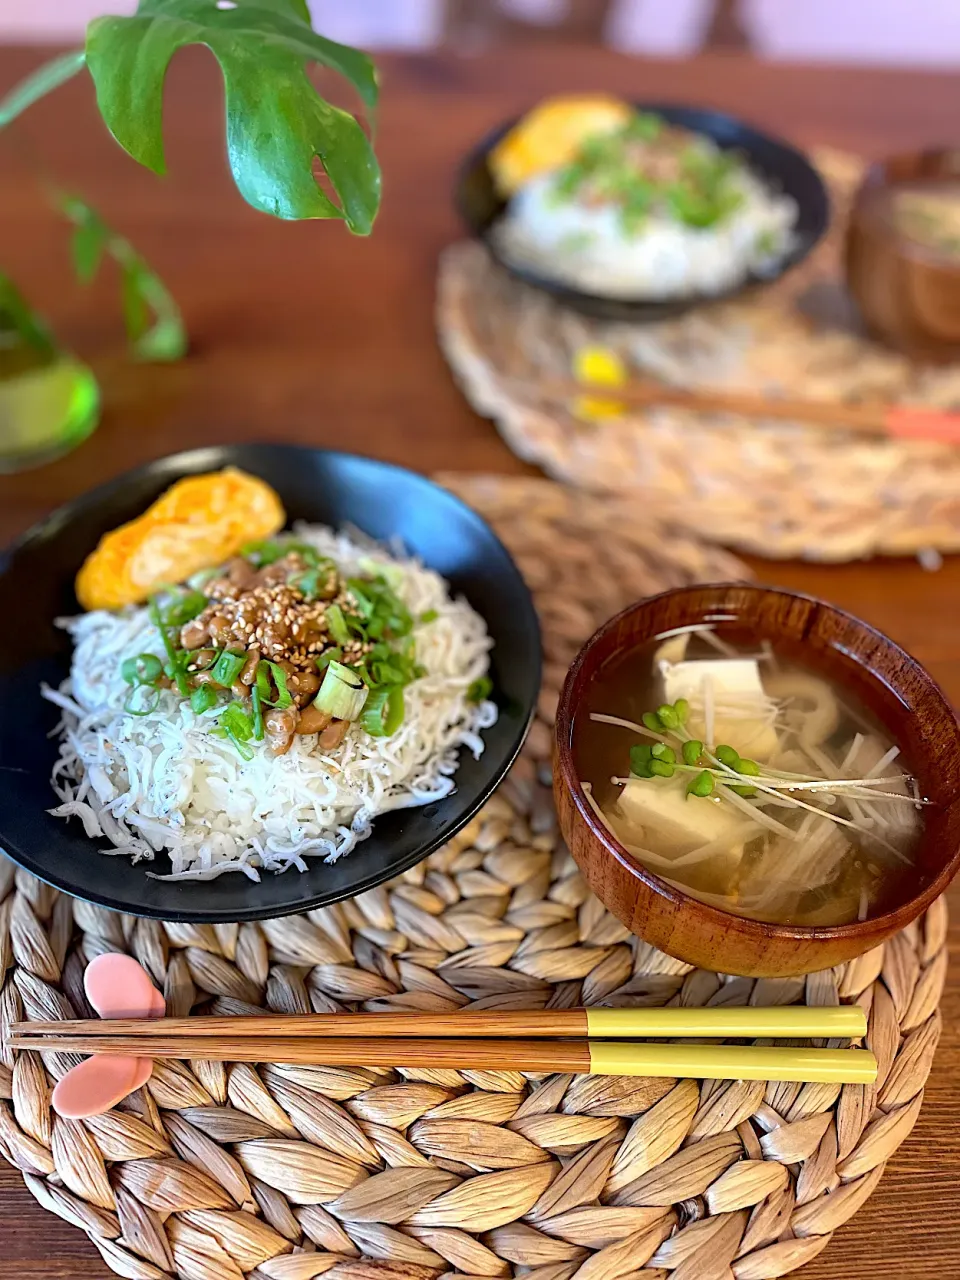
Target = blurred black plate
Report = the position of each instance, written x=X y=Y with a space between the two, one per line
x=782 y=166
x=36 y=585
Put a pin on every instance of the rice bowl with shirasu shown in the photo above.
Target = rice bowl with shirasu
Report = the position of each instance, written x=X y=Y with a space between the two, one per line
x=162 y=781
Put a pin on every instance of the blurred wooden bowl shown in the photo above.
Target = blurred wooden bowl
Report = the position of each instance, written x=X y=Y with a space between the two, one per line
x=908 y=292
x=902 y=695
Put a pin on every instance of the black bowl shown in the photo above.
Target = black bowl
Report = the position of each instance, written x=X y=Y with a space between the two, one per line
x=36 y=585
x=782 y=166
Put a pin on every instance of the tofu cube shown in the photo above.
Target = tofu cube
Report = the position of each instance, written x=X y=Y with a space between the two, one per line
x=662 y=807
x=741 y=715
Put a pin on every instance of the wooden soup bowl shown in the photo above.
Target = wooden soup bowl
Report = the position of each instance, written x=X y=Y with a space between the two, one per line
x=902 y=695
x=908 y=293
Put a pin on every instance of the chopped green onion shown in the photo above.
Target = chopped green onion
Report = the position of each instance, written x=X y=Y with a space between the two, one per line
x=660 y=751
x=391 y=574
x=337 y=626
x=184 y=607
x=260 y=554
x=400 y=621
x=145 y=668
x=154 y=698
x=480 y=689
x=652 y=722
x=365 y=604
x=190 y=654
x=197 y=581
x=236 y=720
x=645 y=125
x=342 y=694
x=702 y=784
x=237 y=726
x=257 y=711
x=177 y=673
x=262 y=681
x=726 y=755
x=661 y=768
x=384 y=613
x=202 y=699
x=227 y=667
x=314 y=583
x=429 y=615
x=284 y=698
x=692 y=751
x=333 y=654
x=383 y=714
x=387 y=673
x=668 y=717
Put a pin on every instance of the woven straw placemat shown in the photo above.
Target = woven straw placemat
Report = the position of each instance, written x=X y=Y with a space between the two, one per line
x=773 y=488
x=213 y=1172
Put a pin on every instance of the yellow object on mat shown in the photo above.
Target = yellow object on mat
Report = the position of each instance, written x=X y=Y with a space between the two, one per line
x=200 y=521
x=732 y=1062
x=780 y=1022
x=597 y=366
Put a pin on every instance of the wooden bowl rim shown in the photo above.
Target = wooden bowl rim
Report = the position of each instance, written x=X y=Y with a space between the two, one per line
x=756 y=931
x=877 y=177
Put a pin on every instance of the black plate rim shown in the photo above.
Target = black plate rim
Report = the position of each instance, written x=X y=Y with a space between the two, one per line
x=640 y=309
x=206 y=457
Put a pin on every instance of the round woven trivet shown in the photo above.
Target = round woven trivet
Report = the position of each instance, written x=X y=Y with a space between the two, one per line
x=773 y=488
x=215 y=1171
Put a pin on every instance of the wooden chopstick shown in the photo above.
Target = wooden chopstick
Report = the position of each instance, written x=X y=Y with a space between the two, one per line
x=908 y=422
x=783 y=1022
x=596 y=1057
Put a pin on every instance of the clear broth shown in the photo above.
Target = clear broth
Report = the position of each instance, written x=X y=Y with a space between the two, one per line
x=927 y=213
x=823 y=872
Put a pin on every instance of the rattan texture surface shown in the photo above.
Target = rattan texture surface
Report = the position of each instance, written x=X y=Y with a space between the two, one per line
x=770 y=487
x=214 y=1171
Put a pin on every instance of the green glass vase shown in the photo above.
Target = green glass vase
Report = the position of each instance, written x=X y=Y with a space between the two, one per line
x=49 y=400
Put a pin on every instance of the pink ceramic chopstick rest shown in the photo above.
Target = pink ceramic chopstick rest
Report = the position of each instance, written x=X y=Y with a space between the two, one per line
x=117 y=987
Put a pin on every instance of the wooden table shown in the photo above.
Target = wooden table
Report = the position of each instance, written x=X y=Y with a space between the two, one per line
x=302 y=333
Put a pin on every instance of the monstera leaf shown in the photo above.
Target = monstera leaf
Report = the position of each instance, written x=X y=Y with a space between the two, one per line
x=277 y=123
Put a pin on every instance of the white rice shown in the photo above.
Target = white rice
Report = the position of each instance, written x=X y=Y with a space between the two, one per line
x=586 y=246
x=162 y=781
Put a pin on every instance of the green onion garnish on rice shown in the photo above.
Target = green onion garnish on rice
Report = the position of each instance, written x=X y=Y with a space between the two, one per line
x=177 y=673
x=236 y=725
x=337 y=626
x=480 y=689
x=257 y=708
x=202 y=699
x=383 y=714
x=183 y=607
x=342 y=694
x=283 y=698
x=227 y=667
x=145 y=668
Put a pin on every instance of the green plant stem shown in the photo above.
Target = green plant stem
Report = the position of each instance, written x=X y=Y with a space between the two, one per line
x=41 y=82
x=144 y=293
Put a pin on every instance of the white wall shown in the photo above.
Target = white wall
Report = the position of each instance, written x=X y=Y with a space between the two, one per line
x=918 y=32
x=374 y=23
